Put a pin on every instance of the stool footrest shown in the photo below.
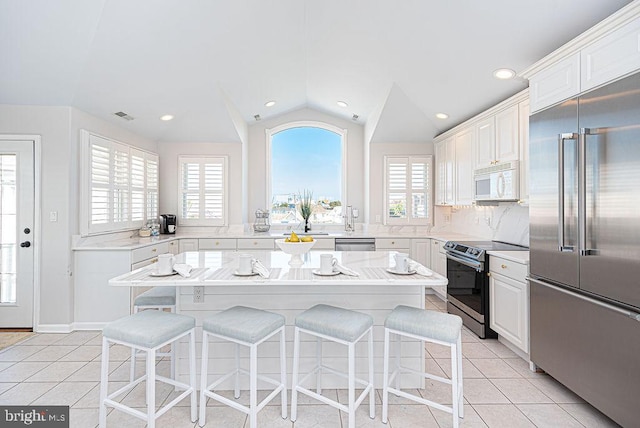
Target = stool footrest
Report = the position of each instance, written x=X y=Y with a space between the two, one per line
x=400 y=370
x=322 y=398
x=421 y=400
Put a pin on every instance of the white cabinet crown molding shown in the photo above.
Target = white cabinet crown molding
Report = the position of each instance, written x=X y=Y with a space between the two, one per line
x=509 y=102
x=598 y=31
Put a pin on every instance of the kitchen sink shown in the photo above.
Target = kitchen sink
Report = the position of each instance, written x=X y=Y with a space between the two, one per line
x=306 y=233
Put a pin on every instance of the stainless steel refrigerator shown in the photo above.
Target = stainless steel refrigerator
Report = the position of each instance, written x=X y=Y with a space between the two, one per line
x=585 y=246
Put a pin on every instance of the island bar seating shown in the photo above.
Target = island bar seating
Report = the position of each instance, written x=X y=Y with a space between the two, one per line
x=248 y=327
x=157 y=298
x=339 y=325
x=426 y=326
x=148 y=331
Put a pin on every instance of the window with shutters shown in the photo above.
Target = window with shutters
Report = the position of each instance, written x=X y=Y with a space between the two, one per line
x=121 y=186
x=203 y=191
x=408 y=190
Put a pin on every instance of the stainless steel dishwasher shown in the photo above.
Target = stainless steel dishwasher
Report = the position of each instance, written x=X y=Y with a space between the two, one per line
x=355 y=244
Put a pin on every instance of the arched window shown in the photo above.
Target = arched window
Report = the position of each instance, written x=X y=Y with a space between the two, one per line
x=306 y=158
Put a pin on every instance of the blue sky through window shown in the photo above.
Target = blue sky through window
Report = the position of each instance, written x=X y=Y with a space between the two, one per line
x=307 y=158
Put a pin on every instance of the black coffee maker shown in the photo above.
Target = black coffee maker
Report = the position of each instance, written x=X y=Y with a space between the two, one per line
x=167 y=224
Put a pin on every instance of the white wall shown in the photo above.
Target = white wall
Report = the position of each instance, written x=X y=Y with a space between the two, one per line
x=256 y=151
x=169 y=153
x=376 y=171
x=59 y=128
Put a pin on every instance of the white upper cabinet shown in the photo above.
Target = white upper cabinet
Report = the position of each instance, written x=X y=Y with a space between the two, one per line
x=523 y=112
x=611 y=57
x=445 y=152
x=464 y=166
x=507 y=135
x=484 y=140
x=602 y=54
x=485 y=143
x=556 y=83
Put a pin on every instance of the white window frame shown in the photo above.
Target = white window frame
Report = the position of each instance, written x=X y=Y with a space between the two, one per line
x=203 y=160
x=87 y=228
x=408 y=190
x=270 y=132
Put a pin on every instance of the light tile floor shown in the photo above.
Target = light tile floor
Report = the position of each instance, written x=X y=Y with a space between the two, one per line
x=499 y=389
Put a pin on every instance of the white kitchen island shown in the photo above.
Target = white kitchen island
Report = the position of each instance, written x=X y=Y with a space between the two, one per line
x=290 y=290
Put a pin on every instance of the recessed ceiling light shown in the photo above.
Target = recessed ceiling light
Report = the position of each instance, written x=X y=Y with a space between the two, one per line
x=504 y=73
x=442 y=115
x=166 y=117
x=269 y=103
x=342 y=104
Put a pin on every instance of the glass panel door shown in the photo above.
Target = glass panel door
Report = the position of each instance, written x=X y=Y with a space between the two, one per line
x=8 y=216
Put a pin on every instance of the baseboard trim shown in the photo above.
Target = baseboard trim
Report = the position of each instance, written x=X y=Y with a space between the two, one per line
x=68 y=328
x=54 y=328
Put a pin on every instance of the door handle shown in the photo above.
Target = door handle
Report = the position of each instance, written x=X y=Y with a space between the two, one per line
x=561 y=139
x=25 y=244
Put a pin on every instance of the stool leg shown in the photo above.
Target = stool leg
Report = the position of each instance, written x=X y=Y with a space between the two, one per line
x=352 y=386
x=294 y=382
x=104 y=382
x=319 y=365
x=283 y=373
x=132 y=369
x=172 y=351
x=203 y=379
x=372 y=400
x=385 y=378
x=236 y=388
x=151 y=388
x=460 y=389
x=398 y=350
x=253 y=386
x=192 y=373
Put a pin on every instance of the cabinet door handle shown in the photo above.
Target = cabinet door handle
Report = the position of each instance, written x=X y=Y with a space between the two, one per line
x=217 y=243
x=154 y=260
x=154 y=250
x=503 y=266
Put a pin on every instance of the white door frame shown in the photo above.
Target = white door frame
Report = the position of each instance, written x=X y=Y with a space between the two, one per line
x=37 y=220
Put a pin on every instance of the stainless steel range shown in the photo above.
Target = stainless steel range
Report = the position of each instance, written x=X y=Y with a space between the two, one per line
x=468 y=288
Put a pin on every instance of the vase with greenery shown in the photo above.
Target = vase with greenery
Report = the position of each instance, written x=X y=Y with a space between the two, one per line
x=306 y=207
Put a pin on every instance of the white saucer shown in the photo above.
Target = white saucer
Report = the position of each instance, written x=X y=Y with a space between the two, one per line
x=395 y=272
x=236 y=273
x=163 y=274
x=317 y=272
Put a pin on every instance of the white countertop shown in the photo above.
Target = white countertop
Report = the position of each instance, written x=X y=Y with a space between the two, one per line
x=133 y=242
x=216 y=268
x=514 y=256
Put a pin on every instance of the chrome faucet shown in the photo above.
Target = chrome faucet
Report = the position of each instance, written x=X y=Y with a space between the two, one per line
x=350 y=216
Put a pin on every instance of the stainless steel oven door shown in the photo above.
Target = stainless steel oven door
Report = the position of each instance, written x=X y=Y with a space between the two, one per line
x=467 y=284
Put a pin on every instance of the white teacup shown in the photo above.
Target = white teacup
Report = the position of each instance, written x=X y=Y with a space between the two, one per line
x=165 y=264
x=326 y=264
x=245 y=264
x=402 y=262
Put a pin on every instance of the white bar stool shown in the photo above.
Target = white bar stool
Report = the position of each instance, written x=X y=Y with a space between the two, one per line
x=148 y=331
x=426 y=326
x=342 y=326
x=247 y=327
x=158 y=298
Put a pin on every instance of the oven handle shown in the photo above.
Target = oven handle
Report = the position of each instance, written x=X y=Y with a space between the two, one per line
x=479 y=266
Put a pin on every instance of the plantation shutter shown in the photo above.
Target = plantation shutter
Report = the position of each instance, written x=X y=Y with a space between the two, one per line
x=121 y=190
x=203 y=191
x=407 y=189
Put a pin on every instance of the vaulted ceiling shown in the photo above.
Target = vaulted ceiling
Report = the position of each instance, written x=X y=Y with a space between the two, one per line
x=396 y=62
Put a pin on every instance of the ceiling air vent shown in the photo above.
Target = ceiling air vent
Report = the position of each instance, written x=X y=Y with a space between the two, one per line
x=123 y=115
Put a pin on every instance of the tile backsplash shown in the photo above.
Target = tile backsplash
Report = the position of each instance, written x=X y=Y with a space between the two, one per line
x=507 y=221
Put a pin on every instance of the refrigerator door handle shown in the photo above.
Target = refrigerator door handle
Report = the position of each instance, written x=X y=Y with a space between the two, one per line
x=582 y=192
x=561 y=139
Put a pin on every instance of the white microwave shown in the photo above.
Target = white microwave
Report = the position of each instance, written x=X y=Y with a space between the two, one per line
x=497 y=183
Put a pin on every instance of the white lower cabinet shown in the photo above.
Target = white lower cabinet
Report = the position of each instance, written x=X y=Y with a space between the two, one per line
x=401 y=245
x=439 y=265
x=509 y=301
x=421 y=251
x=188 y=245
